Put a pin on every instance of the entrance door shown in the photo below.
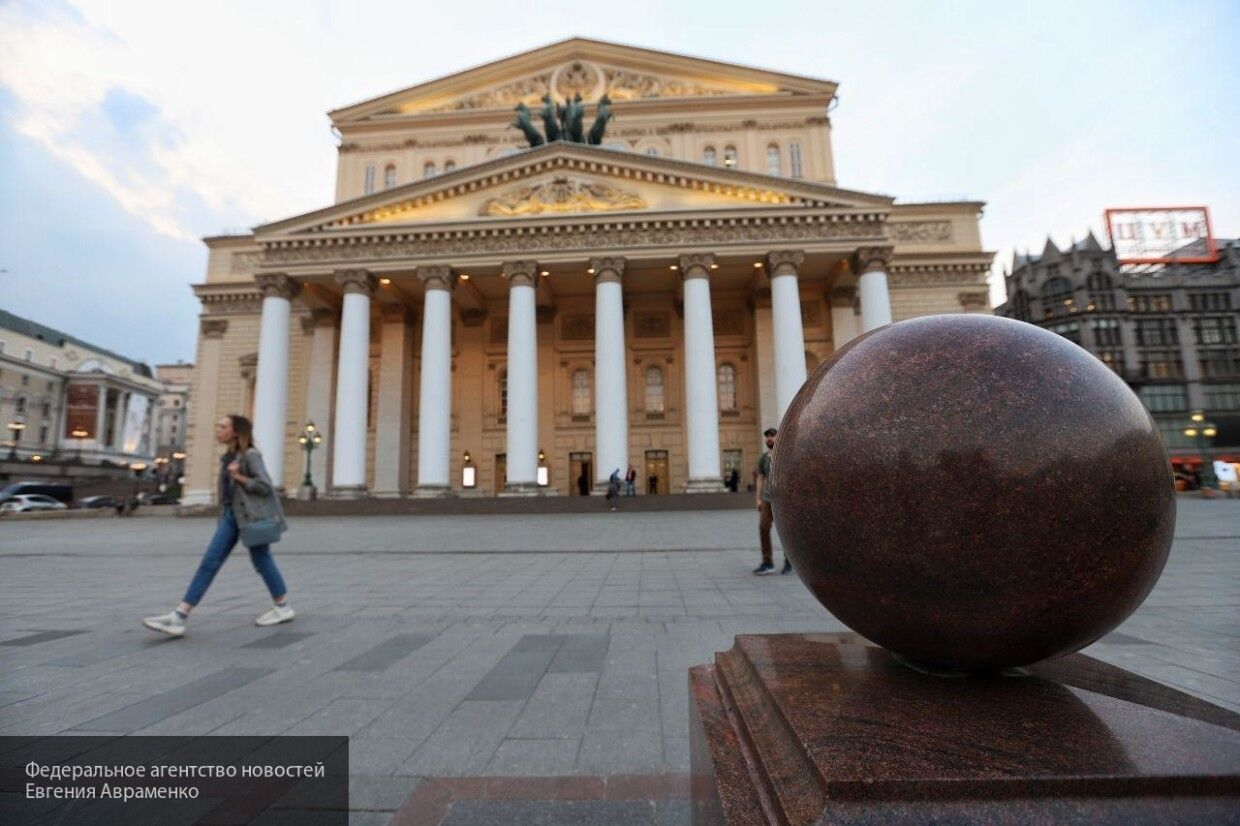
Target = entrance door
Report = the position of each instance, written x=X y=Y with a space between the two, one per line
x=657 y=480
x=581 y=466
x=733 y=460
x=501 y=472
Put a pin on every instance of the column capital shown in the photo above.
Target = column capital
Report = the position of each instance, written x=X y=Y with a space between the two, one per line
x=357 y=281
x=843 y=296
x=520 y=273
x=871 y=259
x=277 y=284
x=213 y=327
x=697 y=265
x=607 y=269
x=437 y=278
x=784 y=262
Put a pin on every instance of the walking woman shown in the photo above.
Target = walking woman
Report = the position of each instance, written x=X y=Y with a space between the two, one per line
x=249 y=511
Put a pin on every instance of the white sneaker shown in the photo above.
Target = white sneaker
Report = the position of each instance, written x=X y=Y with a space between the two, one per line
x=169 y=623
x=275 y=615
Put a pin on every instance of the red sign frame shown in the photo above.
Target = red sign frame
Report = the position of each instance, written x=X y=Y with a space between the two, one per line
x=1210 y=257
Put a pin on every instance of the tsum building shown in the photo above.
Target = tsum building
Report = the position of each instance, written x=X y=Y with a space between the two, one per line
x=476 y=315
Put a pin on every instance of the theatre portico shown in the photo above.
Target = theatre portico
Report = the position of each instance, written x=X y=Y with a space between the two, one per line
x=528 y=319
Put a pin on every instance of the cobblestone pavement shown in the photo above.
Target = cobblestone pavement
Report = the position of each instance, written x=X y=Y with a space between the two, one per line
x=451 y=649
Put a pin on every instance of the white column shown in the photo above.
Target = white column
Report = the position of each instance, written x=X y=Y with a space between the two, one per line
x=701 y=392
x=872 y=284
x=352 y=384
x=435 y=389
x=764 y=339
x=611 y=395
x=522 y=447
x=789 y=333
x=201 y=463
x=321 y=324
x=843 y=316
x=271 y=380
x=394 y=403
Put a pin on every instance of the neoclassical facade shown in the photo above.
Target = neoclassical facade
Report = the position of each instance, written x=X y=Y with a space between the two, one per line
x=473 y=315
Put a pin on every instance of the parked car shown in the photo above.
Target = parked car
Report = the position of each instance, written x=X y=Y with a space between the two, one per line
x=26 y=502
x=95 y=502
x=61 y=493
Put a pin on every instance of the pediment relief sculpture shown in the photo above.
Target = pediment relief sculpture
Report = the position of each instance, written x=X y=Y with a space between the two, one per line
x=588 y=79
x=562 y=195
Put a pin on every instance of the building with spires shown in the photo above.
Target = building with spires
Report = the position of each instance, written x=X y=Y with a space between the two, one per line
x=476 y=315
x=1170 y=332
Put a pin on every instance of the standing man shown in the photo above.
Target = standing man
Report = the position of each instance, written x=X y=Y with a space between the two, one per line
x=630 y=482
x=764 y=509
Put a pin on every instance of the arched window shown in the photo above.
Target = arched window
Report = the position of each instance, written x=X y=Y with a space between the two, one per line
x=1057 y=297
x=708 y=156
x=1020 y=306
x=729 y=156
x=1099 y=281
x=772 y=160
x=389 y=176
x=449 y=165
x=794 y=159
x=654 y=390
x=727 y=387
x=369 y=185
x=428 y=169
x=503 y=393
x=581 y=392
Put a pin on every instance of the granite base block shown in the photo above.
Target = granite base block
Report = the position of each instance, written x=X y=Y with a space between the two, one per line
x=828 y=728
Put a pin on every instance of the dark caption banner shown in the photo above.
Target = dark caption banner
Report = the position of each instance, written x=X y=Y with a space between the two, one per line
x=165 y=781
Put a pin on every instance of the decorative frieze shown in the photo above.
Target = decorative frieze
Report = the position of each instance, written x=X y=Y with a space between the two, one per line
x=729 y=321
x=567 y=237
x=974 y=301
x=213 y=327
x=244 y=262
x=577 y=328
x=936 y=275
x=920 y=232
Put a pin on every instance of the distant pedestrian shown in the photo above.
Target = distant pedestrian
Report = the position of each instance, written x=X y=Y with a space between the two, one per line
x=249 y=511
x=583 y=484
x=630 y=482
x=734 y=480
x=613 y=488
x=652 y=483
x=765 y=517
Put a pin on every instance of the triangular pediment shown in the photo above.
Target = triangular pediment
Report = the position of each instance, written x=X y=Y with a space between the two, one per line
x=590 y=68
x=568 y=178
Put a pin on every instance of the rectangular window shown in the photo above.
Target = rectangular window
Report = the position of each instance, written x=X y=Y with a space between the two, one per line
x=1106 y=332
x=29 y=354
x=43 y=435
x=1161 y=364
x=1157 y=332
x=1113 y=359
x=1173 y=434
x=1222 y=396
x=1164 y=398
x=1210 y=302
x=52 y=362
x=1220 y=362
x=1071 y=330
x=1149 y=302
x=1101 y=301
x=1215 y=330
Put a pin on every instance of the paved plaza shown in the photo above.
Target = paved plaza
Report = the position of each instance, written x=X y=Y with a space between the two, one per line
x=459 y=653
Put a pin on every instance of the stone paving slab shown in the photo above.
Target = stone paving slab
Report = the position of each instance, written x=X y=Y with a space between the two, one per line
x=470 y=652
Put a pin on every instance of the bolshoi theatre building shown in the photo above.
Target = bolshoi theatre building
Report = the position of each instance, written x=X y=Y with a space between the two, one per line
x=488 y=310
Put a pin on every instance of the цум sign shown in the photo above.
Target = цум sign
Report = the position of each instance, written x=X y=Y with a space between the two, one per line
x=1160 y=235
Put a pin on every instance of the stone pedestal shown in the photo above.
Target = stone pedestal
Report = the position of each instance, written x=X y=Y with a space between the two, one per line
x=828 y=728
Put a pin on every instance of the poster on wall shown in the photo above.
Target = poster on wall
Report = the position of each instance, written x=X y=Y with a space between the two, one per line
x=81 y=411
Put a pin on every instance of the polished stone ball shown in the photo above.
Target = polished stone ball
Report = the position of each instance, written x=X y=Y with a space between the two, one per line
x=972 y=492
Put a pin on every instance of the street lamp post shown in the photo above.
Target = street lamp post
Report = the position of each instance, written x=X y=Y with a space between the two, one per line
x=309 y=440
x=1204 y=432
x=15 y=427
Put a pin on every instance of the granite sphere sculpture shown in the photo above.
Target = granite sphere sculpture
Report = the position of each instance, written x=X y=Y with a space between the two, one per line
x=972 y=492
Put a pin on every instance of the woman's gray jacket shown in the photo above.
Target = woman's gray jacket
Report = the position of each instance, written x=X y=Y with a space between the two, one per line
x=254 y=499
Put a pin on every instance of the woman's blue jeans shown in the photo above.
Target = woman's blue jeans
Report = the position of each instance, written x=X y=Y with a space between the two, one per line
x=226 y=535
